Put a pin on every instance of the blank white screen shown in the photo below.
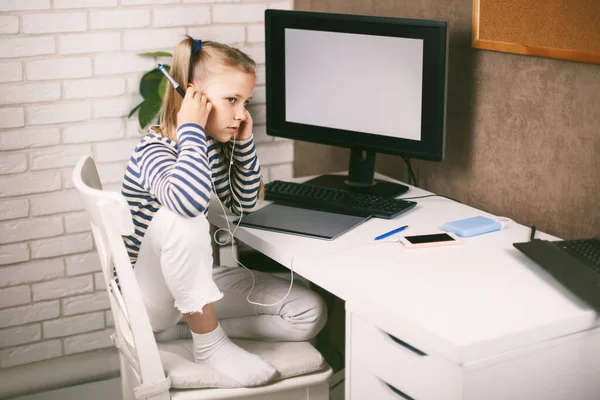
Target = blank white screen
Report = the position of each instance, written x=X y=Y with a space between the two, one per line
x=355 y=82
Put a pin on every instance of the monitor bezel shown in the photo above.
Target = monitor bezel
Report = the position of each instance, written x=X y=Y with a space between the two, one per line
x=433 y=106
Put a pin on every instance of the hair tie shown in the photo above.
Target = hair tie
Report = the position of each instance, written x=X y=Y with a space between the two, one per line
x=196 y=46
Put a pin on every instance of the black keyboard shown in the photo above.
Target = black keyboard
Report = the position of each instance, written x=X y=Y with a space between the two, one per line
x=586 y=250
x=573 y=263
x=335 y=200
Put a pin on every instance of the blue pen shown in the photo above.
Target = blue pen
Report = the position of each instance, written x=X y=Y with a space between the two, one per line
x=162 y=69
x=390 y=233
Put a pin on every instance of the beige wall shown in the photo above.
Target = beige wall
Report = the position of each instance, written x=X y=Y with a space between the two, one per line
x=523 y=133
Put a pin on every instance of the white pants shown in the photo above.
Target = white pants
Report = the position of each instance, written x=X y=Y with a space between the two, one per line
x=175 y=273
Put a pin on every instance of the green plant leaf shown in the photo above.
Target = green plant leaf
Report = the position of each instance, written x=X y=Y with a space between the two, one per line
x=150 y=82
x=148 y=111
x=156 y=54
x=162 y=87
x=134 y=109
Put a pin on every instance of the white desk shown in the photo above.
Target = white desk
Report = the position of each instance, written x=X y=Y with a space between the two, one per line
x=487 y=323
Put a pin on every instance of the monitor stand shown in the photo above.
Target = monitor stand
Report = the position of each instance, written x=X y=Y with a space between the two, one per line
x=360 y=177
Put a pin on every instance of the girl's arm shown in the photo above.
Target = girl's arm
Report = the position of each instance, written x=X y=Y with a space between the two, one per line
x=245 y=175
x=180 y=181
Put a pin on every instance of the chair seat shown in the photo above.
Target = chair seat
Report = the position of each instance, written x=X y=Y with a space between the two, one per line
x=290 y=358
x=314 y=386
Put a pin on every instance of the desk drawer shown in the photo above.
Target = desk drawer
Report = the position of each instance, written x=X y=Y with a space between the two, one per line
x=366 y=386
x=405 y=369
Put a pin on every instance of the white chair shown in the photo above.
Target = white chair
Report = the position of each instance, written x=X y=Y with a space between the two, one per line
x=165 y=370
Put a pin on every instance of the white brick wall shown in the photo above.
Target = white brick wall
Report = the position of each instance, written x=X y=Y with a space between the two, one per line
x=25 y=138
x=84 y=3
x=184 y=16
x=26 y=229
x=16 y=295
x=24 y=46
x=76 y=222
x=55 y=22
x=9 y=24
x=12 y=117
x=12 y=163
x=15 y=208
x=29 y=182
x=136 y=18
x=97 y=130
x=79 y=67
x=33 y=271
x=16 y=93
x=85 y=303
x=39 y=311
x=73 y=325
x=88 y=341
x=38 y=351
x=89 y=43
x=20 y=335
x=21 y=5
x=148 y=39
x=69 y=75
x=239 y=13
x=13 y=253
x=82 y=264
x=10 y=72
x=58 y=112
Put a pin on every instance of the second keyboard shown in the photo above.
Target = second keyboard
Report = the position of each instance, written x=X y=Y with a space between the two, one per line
x=336 y=200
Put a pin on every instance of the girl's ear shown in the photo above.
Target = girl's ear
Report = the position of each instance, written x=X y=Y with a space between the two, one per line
x=196 y=88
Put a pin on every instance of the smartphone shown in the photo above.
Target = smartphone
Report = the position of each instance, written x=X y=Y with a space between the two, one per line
x=430 y=240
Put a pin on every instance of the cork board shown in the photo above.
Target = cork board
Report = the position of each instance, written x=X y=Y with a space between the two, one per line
x=566 y=29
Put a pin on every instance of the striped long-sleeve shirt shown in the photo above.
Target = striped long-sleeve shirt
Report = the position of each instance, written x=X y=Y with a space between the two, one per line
x=163 y=173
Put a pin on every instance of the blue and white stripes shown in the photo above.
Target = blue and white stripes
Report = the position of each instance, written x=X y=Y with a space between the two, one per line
x=178 y=176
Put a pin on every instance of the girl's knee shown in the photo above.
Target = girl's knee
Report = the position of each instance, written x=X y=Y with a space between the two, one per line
x=320 y=308
x=309 y=314
x=181 y=222
x=185 y=229
x=163 y=319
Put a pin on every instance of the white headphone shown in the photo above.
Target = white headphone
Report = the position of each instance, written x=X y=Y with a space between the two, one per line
x=230 y=236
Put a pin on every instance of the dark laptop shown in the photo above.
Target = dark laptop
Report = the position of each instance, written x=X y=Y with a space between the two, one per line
x=573 y=263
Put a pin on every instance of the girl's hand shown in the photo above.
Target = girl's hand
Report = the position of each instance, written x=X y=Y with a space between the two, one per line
x=245 y=131
x=194 y=108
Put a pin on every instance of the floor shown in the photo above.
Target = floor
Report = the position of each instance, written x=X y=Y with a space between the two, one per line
x=103 y=390
x=110 y=389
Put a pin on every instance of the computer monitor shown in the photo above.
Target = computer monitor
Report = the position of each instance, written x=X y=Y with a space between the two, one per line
x=371 y=84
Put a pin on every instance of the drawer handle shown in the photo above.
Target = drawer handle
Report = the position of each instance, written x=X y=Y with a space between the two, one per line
x=397 y=391
x=407 y=346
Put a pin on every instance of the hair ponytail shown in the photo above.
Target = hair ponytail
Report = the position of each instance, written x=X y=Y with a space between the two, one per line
x=180 y=71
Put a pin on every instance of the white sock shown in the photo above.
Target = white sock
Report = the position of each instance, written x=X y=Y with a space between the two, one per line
x=218 y=351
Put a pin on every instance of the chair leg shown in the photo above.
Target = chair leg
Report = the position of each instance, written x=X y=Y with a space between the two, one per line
x=128 y=379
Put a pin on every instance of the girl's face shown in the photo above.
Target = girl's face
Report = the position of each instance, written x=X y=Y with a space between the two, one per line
x=229 y=90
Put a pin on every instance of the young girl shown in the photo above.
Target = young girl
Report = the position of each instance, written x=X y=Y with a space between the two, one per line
x=168 y=185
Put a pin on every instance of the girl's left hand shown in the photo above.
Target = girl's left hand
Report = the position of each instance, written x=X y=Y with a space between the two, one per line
x=245 y=130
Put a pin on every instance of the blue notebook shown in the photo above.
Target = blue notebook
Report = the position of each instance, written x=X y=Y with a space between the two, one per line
x=472 y=226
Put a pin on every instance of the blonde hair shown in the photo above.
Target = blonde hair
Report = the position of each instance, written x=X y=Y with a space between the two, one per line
x=188 y=67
